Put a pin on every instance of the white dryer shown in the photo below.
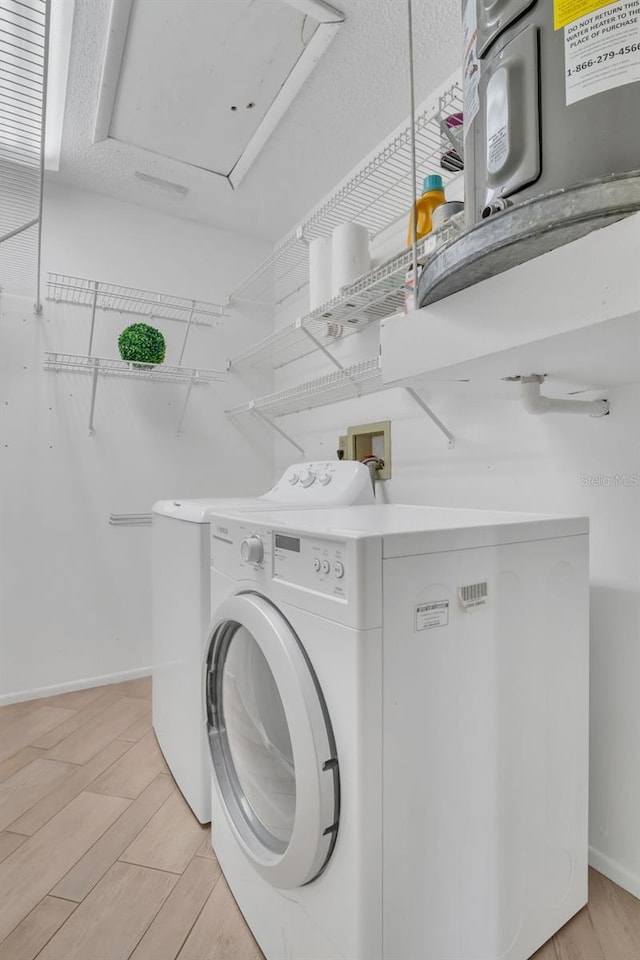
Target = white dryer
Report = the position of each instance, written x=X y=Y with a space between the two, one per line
x=181 y=606
x=397 y=703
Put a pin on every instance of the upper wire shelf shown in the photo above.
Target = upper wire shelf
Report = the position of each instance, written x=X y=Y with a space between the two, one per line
x=376 y=194
x=357 y=380
x=135 y=371
x=113 y=296
x=378 y=294
x=24 y=29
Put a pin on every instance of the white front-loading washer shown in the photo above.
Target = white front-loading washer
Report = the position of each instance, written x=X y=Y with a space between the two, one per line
x=397 y=703
x=181 y=606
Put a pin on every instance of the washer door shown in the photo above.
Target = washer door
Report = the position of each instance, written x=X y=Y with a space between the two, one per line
x=272 y=747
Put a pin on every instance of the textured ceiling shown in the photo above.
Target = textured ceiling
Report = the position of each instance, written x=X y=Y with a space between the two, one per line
x=356 y=95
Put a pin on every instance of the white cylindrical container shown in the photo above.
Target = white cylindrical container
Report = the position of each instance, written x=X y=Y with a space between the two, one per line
x=319 y=272
x=350 y=256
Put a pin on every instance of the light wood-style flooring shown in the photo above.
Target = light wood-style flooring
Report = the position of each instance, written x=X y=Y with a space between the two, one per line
x=103 y=860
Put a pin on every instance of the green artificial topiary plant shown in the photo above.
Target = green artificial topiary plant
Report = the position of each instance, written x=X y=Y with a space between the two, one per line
x=141 y=343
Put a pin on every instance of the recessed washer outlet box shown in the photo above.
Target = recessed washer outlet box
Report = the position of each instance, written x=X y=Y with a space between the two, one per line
x=370 y=439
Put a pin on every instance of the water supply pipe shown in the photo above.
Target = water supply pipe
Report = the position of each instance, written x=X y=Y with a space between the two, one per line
x=373 y=464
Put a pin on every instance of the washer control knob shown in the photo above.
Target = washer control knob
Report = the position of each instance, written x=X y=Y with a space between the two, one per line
x=293 y=478
x=338 y=570
x=326 y=566
x=324 y=478
x=252 y=550
x=307 y=478
x=316 y=565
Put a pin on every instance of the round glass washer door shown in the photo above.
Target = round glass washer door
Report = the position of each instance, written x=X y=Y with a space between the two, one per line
x=272 y=747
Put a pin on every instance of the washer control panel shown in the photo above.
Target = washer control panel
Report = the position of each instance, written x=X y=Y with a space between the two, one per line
x=311 y=562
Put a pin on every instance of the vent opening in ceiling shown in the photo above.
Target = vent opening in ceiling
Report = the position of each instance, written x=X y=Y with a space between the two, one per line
x=206 y=84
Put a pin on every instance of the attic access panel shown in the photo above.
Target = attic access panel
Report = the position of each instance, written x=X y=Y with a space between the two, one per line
x=205 y=83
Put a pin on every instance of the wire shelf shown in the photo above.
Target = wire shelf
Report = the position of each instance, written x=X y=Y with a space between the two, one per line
x=376 y=195
x=377 y=295
x=357 y=380
x=135 y=371
x=23 y=67
x=145 y=303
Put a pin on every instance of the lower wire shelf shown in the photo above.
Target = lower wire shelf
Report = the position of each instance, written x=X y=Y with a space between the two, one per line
x=357 y=380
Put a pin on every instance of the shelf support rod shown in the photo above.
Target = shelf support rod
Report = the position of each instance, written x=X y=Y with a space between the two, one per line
x=94 y=306
x=322 y=348
x=277 y=429
x=429 y=412
x=414 y=172
x=43 y=125
x=186 y=334
x=94 y=387
x=184 y=406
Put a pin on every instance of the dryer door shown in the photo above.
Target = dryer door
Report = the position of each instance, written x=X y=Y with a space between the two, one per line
x=272 y=747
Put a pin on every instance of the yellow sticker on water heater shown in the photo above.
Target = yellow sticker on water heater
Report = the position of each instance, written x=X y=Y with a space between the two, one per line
x=566 y=11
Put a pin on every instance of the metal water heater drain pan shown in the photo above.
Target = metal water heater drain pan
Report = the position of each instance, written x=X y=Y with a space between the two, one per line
x=525 y=231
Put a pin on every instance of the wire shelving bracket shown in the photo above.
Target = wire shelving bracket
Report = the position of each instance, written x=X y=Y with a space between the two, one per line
x=429 y=412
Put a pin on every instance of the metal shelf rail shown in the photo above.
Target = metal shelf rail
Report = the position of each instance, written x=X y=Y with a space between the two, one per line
x=376 y=195
x=24 y=33
x=136 y=371
x=378 y=294
x=357 y=380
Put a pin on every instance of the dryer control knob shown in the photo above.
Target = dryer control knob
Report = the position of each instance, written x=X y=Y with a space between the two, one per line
x=324 y=478
x=307 y=478
x=252 y=550
x=293 y=479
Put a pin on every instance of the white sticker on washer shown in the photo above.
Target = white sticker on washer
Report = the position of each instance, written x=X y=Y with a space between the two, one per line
x=432 y=613
x=602 y=50
x=473 y=595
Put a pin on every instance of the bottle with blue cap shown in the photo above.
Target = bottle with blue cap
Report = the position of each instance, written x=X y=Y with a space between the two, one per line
x=432 y=197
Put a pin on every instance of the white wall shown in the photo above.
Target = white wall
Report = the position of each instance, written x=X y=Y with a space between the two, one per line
x=507 y=459
x=75 y=590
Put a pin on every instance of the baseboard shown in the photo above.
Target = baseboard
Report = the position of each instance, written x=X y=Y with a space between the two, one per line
x=615 y=871
x=39 y=692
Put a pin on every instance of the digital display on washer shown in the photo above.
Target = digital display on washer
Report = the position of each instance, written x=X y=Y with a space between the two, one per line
x=287 y=543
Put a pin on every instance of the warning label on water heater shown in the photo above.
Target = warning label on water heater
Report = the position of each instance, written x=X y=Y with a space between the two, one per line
x=432 y=613
x=602 y=50
x=566 y=11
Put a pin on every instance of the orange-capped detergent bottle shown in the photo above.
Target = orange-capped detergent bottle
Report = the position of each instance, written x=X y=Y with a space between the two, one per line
x=432 y=197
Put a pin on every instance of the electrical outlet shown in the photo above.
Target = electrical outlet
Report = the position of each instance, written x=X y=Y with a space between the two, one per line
x=370 y=439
